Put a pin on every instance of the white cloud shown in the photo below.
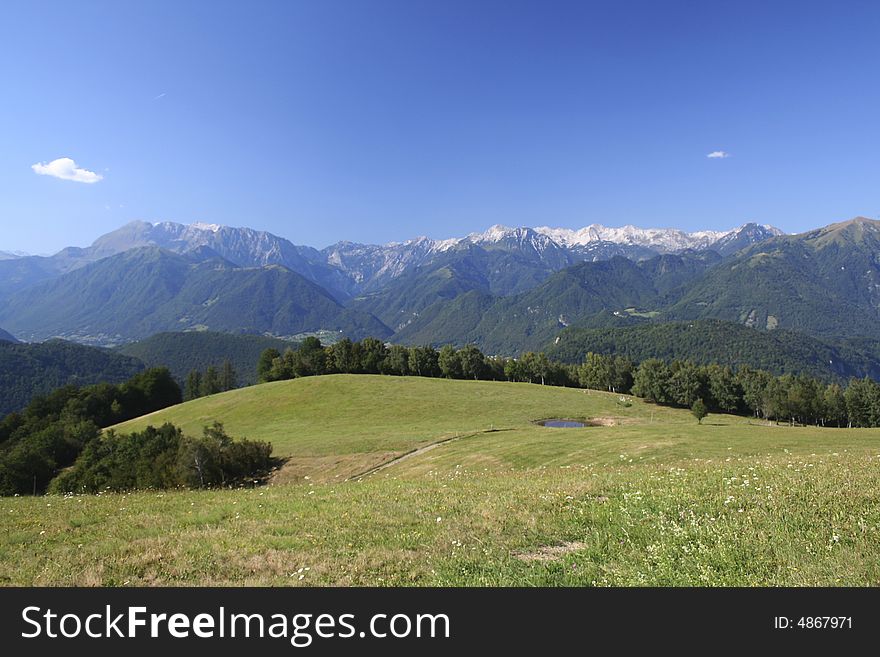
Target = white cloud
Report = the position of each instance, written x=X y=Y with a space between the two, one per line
x=718 y=155
x=66 y=169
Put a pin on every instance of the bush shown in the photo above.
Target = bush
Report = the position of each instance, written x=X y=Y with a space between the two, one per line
x=164 y=458
x=53 y=430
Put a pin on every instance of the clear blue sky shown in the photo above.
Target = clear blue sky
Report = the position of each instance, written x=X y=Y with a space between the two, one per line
x=374 y=120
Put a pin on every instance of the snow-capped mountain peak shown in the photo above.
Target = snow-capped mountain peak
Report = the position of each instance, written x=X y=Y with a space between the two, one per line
x=349 y=269
x=495 y=233
x=663 y=240
x=214 y=228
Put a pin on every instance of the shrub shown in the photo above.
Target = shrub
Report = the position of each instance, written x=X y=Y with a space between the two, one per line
x=164 y=458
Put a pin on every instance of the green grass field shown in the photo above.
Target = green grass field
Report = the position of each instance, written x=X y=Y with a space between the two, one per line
x=488 y=498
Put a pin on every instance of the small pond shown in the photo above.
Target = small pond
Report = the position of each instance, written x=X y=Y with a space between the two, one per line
x=562 y=424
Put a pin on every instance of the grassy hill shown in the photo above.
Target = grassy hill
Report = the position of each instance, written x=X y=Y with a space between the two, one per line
x=341 y=422
x=649 y=497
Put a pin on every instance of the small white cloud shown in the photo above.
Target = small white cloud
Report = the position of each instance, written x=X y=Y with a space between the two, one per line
x=66 y=169
x=718 y=155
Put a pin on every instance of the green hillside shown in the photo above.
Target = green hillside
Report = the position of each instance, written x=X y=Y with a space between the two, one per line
x=825 y=283
x=199 y=350
x=648 y=497
x=457 y=272
x=407 y=297
x=527 y=321
x=27 y=370
x=713 y=341
x=19 y=273
x=447 y=322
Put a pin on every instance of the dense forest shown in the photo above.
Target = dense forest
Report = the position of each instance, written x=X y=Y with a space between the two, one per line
x=222 y=362
x=54 y=429
x=795 y=399
x=27 y=370
x=183 y=352
x=715 y=341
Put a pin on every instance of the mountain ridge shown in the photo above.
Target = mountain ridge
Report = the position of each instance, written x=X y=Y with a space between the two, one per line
x=826 y=279
x=143 y=291
x=506 y=289
x=823 y=283
x=528 y=320
x=348 y=269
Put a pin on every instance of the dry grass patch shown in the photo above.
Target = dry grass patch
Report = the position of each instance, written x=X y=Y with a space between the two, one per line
x=611 y=421
x=329 y=468
x=551 y=552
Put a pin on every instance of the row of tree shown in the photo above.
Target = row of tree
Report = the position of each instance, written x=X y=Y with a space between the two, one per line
x=372 y=356
x=796 y=399
x=211 y=381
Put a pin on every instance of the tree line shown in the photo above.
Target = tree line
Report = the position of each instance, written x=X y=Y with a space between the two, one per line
x=372 y=356
x=794 y=399
x=211 y=381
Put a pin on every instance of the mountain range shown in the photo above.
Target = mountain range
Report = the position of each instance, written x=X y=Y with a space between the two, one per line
x=147 y=290
x=825 y=281
x=822 y=283
x=505 y=289
x=531 y=319
x=347 y=269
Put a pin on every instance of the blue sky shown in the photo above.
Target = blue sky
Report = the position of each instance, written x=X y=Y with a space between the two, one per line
x=372 y=120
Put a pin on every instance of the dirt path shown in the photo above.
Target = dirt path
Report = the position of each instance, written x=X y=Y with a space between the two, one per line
x=419 y=451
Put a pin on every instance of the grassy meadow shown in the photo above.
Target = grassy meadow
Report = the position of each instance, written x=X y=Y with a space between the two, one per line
x=484 y=496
